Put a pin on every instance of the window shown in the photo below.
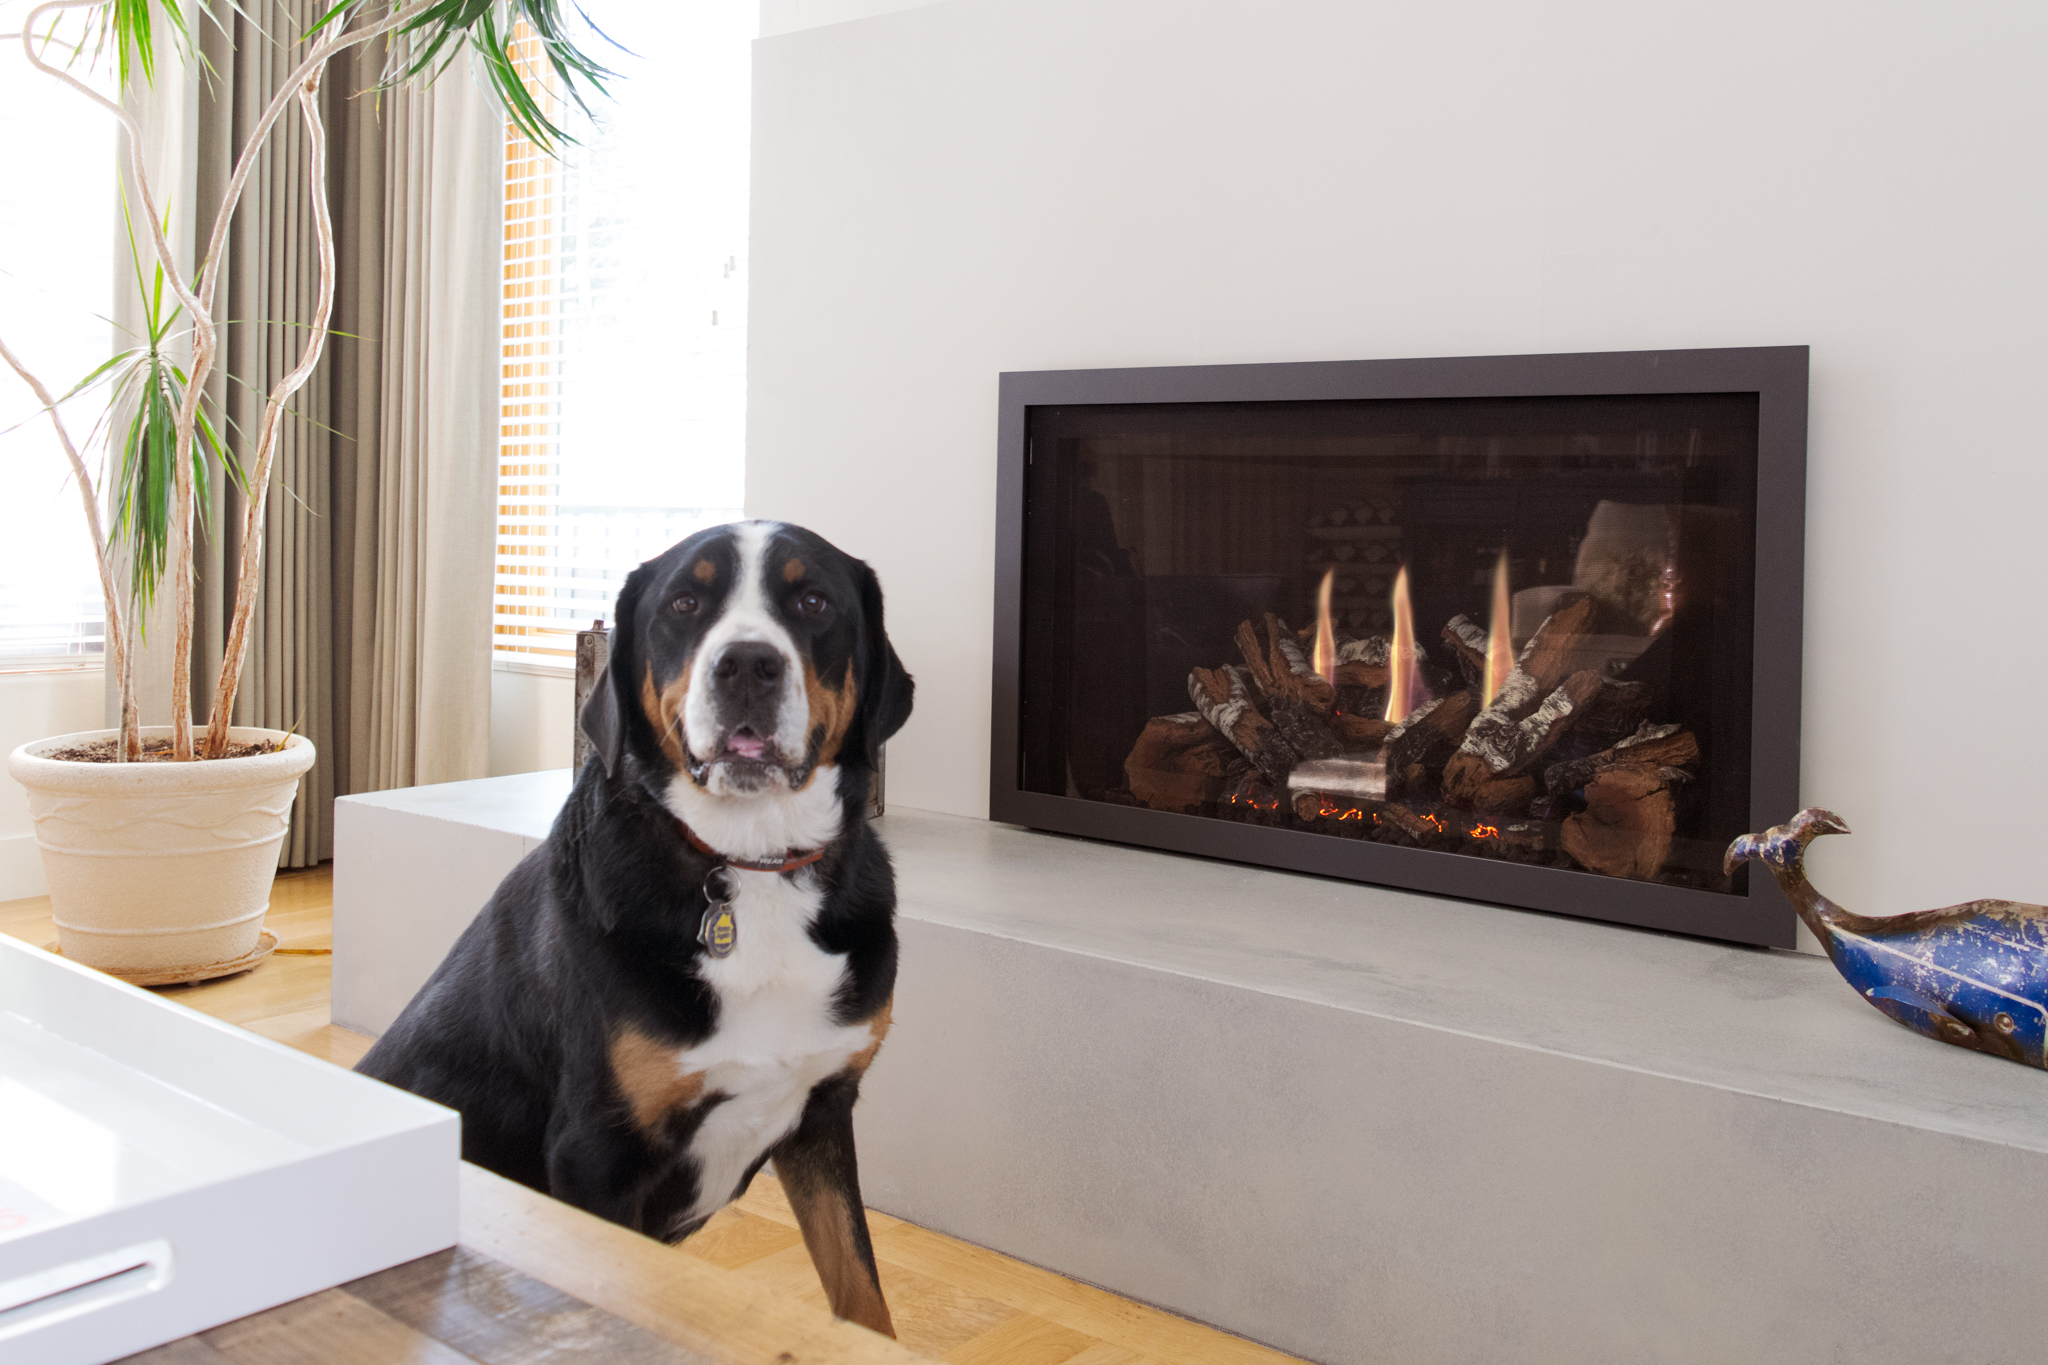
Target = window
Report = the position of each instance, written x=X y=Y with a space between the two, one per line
x=58 y=217
x=624 y=341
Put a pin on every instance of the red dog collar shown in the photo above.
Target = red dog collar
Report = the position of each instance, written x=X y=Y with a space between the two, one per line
x=794 y=861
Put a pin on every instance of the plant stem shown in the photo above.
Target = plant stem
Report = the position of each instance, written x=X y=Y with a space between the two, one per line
x=204 y=346
x=131 y=709
x=273 y=415
x=202 y=337
x=130 y=746
x=205 y=336
x=314 y=61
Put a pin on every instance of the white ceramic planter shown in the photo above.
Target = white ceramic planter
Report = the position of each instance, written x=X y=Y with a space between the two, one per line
x=160 y=865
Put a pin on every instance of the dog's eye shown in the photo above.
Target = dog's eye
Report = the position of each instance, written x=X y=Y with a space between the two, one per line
x=685 y=605
x=813 y=604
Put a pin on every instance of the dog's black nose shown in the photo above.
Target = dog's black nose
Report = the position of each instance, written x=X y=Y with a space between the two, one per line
x=748 y=668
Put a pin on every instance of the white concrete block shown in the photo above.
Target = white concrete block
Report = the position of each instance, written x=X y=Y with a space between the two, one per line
x=1366 y=1125
x=1363 y=1124
x=411 y=869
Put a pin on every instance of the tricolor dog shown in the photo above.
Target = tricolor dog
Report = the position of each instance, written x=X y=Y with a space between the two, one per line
x=691 y=975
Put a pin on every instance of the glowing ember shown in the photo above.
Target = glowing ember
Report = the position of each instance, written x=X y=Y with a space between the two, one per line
x=1483 y=832
x=1325 y=657
x=1500 y=650
x=1404 y=679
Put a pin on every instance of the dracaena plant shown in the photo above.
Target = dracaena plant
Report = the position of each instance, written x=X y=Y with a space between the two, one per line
x=146 y=382
x=158 y=472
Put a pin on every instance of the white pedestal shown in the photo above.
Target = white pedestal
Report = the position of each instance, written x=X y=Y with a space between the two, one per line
x=411 y=869
x=1363 y=1124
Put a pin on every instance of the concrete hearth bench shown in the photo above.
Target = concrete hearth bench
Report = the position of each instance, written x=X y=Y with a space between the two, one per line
x=1368 y=1125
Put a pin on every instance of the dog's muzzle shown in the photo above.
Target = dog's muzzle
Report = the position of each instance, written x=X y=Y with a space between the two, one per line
x=747 y=694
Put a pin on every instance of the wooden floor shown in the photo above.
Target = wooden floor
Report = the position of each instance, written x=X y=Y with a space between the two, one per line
x=951 y=1300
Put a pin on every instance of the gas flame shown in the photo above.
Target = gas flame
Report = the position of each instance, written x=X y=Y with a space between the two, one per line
x=1500 y=651
x=1404 y=686
x=1325 y=657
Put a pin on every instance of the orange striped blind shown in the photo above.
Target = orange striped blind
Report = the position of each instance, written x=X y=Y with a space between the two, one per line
x=525 y=619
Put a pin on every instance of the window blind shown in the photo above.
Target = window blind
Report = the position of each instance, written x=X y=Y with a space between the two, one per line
x=50 y=625
x=56 y=293
x=624 y=333
x=527 y=614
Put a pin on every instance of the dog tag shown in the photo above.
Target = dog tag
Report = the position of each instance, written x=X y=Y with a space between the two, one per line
x=719 y=932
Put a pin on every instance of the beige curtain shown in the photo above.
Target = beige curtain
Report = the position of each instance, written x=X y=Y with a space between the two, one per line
x=267 y=287
x=421 y=623
x=372 y=634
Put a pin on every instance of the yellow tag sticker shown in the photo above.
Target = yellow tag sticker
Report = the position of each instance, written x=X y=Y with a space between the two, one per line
x=719 y=932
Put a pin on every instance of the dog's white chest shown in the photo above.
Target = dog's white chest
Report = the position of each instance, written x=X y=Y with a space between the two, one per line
x=775 y=1037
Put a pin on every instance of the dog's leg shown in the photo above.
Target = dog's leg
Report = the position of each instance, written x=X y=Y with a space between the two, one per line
x=598 y=1171
x=816 y=1166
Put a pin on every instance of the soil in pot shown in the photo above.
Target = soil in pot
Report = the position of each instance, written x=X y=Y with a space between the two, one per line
x=153 y=751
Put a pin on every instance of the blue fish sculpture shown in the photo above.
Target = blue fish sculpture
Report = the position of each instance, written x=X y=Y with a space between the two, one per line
x=1974 y=975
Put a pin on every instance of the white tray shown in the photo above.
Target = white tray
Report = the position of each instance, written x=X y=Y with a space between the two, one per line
x=162 y=1172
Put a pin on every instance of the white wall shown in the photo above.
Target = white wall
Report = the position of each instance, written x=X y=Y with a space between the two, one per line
x=787 y=16
x=36 y=706
x=531 y=727
x=947 y=192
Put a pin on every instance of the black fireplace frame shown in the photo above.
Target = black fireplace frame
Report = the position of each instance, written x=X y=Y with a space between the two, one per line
x=1757 y=914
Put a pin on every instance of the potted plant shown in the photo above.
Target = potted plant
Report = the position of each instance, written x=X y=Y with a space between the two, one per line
x=160 y=845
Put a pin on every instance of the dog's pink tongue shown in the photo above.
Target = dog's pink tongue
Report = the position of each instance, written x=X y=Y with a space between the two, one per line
x=746 y=746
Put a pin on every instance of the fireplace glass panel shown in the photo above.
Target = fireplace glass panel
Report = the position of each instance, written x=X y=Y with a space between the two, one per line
x=1568 y=684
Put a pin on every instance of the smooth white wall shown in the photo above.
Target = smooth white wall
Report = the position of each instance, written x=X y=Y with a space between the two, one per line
x=948 y=192
x=787 y=16
x=531 y=726
x=36 y=706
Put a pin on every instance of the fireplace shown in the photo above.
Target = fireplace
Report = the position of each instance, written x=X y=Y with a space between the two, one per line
x=1521 y=629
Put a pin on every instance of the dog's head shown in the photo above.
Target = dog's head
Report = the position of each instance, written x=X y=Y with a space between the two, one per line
x=747 y=661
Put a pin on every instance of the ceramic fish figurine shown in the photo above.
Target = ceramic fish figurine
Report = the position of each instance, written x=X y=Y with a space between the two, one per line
x=1975 y=975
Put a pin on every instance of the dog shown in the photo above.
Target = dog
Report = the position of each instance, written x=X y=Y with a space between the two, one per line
x=691 y=975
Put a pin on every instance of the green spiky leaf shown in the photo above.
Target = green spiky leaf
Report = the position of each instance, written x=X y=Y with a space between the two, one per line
x=431 y=40
x=142 y=494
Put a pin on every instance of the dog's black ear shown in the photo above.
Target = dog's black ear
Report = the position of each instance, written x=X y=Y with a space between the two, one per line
x=604 y=717
x=885 y=689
